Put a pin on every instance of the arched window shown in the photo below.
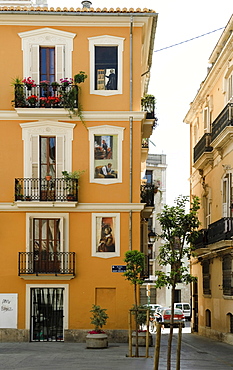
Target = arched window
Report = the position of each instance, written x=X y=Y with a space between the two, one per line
x=230 y=322
x=208 y=318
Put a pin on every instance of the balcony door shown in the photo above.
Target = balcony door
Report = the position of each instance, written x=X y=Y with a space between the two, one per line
x=227 y=195
x=46 y=245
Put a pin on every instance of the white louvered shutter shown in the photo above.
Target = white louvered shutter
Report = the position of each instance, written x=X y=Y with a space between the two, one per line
x=60 y=62
x=34 y=67
x=60 y=160
x=34 y=156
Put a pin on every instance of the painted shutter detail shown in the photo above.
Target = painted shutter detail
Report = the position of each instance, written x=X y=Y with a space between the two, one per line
x=34 y=157
x=34 y=68
x=60 y=62
x=60 y=155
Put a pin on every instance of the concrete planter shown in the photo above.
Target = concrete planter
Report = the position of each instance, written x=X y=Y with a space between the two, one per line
x=97 y=340
x=141 y=339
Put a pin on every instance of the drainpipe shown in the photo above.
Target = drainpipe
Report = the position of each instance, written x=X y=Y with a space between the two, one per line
x=131 y=130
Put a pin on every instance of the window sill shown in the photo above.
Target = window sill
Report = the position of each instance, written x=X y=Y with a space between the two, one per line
x=47 y=277
x=38 y=204
x=207 y=295
x=227 y=296
x=42 y=112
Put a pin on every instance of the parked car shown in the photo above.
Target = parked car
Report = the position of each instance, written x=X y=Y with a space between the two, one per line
x=152 y=306
x=185 y=307
x=178 y=317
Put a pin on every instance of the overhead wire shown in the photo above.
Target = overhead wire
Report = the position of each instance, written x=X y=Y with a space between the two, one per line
x=182 y=42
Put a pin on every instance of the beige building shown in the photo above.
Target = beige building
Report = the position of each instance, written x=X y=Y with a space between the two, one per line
x=211 y=149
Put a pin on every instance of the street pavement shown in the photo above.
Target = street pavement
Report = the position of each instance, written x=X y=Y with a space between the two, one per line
x=197 y=353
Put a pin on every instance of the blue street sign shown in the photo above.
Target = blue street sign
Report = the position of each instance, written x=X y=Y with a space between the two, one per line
x=118 y=268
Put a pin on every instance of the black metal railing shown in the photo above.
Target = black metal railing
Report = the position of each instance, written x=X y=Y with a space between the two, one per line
x=39 y=96
x=201 y=240
x=224 y=119
x=219 y=230
x=36 y=189
x=202 y=146
x=147 y=194
x=46 y=263
x=148 y=105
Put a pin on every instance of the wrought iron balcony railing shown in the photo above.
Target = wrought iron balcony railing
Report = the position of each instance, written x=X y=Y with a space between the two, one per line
x=147 y=194
x=36 y=189
x=39 y=96
x=148 y=105
x=224 y=119
x=202 y=146
x=46 y=263
x=219 y=230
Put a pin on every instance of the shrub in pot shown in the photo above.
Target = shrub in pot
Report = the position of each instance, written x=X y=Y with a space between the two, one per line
x=97 y=338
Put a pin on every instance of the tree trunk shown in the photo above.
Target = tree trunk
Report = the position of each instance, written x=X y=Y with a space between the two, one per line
x=169 y=345
x=136 y=320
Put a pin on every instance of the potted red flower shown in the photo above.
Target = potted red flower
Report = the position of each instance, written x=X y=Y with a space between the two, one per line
x=29 y=83
x=32 y=100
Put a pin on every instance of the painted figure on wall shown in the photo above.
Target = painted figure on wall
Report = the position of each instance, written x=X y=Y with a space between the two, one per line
x=106 y=241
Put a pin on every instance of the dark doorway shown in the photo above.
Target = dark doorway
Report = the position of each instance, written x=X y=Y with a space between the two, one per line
x=47 y=314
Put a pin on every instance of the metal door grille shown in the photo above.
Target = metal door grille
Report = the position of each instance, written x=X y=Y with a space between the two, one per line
x=47 y=314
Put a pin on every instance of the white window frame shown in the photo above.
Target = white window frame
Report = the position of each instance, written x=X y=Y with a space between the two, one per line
x=64 y=222
x=106 y=130
x=31 y=131
x=116 y=235
x=106 y=40
x=227 y=194
x=65 y=306
x=63 y=43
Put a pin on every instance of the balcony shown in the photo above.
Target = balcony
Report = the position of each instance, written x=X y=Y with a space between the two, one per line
x=46 y=263
x=147 y=194
x=224 y=119
x=202 y=146
x=148 y=105
x=53 y=190
x=39 y=96
x=219 y=230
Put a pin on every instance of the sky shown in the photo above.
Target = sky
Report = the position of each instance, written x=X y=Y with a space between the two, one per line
x=176 y=72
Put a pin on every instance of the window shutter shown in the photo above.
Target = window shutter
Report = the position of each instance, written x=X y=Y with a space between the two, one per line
x=60 y=160
x=60 y=62
x=34 y=157
x=61 y=229
x=34 y=63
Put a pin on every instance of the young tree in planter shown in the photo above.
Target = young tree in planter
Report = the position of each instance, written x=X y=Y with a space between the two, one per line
x=134 y=268
x=179 y=231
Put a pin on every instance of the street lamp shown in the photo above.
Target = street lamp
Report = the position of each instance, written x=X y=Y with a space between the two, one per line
x=151 y=237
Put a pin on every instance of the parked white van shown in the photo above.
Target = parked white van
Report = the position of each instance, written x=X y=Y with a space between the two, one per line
x=185 y=307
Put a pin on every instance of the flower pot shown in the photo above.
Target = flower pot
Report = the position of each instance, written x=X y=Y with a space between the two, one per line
x=141 y=339
x=48 y=177
x=97 y=341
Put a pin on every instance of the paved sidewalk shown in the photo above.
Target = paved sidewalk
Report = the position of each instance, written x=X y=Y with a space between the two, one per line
x=197 y=353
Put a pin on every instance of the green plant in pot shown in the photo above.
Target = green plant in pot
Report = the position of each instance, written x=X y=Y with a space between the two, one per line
x=70 y=96
x=97 y=338
x=19 y=100
x=71 y=184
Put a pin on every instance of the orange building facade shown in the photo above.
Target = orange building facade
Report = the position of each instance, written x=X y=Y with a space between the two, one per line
x=63 y=240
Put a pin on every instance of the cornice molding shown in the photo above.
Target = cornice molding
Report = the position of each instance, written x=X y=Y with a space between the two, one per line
x=31 y=114
x=62 y=19
x=70 y=207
